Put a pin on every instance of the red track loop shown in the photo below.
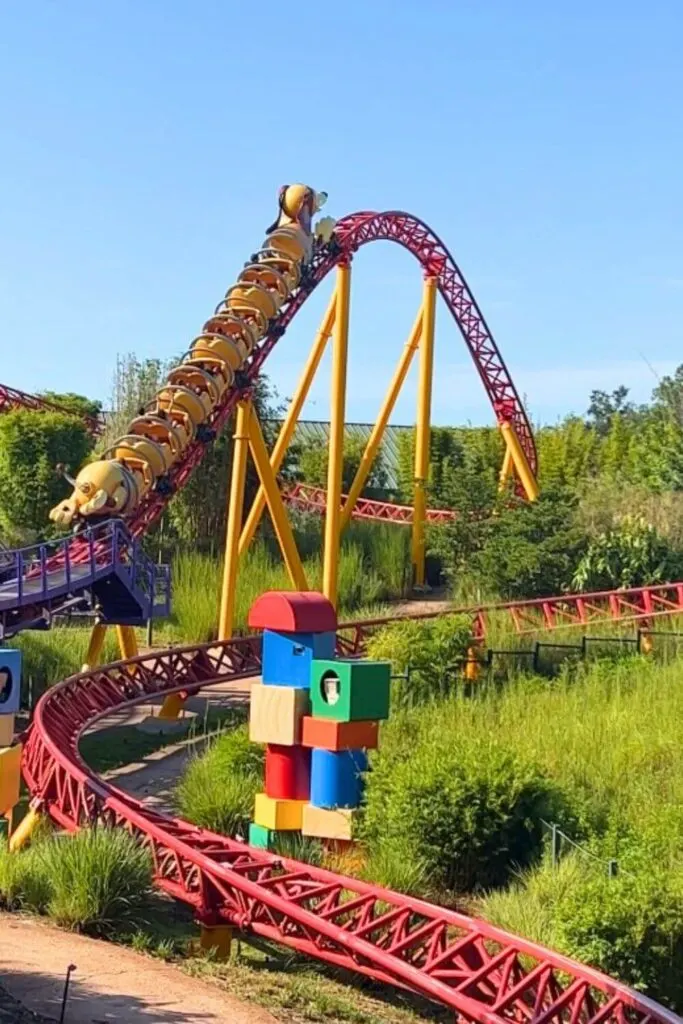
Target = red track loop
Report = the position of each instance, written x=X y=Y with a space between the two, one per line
x=482 y=973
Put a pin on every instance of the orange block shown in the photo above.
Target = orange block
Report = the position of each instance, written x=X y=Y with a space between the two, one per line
x=326 y=734
x=10 y=777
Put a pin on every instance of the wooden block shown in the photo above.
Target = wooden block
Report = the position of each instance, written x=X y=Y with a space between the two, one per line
x=349 y=690
x=327 y=824
x=276 y=713
x=278 y=815
x=326 y=734
x=10 y=776
x=6 y=730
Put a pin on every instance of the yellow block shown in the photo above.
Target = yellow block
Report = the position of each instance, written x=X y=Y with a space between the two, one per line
x=327 y=824
x=276 y=713
x=279 y=815
x=6 y=731
x=10 y=776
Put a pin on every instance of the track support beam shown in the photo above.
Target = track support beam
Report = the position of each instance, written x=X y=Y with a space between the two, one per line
x=235 y=506
x=93 y=655
x=377 y=434
x=423 y=431
x=519 y=460
x=291 y=419
x=276 y=506
x=336 y=449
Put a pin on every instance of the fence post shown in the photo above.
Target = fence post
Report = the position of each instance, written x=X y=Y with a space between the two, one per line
x=555 y=845
x=612 y=869
x=583 y=647
x=534 y=661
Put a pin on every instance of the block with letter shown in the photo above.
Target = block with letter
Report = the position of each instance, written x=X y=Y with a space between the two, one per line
x=276 y=712
x=321 y=823
x=330 y=735
x=10 y=681
x=337 y=777
x=278 y=815
x=348 y=691
x=287 y=657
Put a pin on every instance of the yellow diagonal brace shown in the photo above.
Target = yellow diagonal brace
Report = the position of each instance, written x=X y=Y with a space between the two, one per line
x=506 y=469
x=94 y=653
x=521 y=463
x=276 y=506
x=291 y=419
x=377 y=434
x=336 y=442
x=423 y=430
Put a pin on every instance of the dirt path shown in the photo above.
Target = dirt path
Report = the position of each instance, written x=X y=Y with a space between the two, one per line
x=111 y=983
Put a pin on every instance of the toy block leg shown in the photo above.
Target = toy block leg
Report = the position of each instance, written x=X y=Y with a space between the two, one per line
x=288 y=772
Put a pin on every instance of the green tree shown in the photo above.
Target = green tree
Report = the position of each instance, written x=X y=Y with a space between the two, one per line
x=32 y=444
x=312 y=459
x=78 y=404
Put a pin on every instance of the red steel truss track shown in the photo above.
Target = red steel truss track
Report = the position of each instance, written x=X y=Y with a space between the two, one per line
x=480 y=972
x=314 y=499
x=11 y=398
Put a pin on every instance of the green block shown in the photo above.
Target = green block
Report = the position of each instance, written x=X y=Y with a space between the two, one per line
x=350 y=691
x=259 y=836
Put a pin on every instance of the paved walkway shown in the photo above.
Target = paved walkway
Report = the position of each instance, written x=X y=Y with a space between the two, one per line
x=110 y=983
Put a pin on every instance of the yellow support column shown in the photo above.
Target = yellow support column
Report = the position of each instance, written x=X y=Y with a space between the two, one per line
x=236 y=501
x=216 y=938
x=128 y=642
x=520 y=460
x=276 y=506
x=375 y=439
x=291 y=419
x=25 y=829
x=94 y=653
x=424 y=407
x=336 y=449
x=505 y=470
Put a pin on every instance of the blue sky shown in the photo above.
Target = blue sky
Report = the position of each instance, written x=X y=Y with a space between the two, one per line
x=143 y=144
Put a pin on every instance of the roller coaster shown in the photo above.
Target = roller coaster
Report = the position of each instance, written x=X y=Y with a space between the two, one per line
x=478 y=971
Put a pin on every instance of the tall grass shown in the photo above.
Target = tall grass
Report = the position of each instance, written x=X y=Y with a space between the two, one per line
x=95 y=881
x=218 y=787
x=54 y=655
x=368 y=576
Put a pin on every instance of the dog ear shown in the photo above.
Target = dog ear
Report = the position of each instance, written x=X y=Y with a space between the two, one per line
x=280 y=205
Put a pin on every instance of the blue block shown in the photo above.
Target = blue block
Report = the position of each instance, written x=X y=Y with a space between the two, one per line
x=336 y=779
x=287 y=657
x=10 y=681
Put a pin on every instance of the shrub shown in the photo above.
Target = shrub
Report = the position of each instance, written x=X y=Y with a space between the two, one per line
x=630 y=927
x=432 y=651
x=464 y=807
x=99 y=878
x=218 y=787
x=24 y=883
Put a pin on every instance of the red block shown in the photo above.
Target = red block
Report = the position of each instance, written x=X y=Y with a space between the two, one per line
x=293 y=612
x=288 y=772
x=326 y=734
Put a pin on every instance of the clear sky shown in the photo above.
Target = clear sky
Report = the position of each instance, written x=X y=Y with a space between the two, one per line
x=142 y=143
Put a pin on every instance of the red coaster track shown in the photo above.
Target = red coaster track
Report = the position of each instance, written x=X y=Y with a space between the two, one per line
x=11 y=398
x=480 y=972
